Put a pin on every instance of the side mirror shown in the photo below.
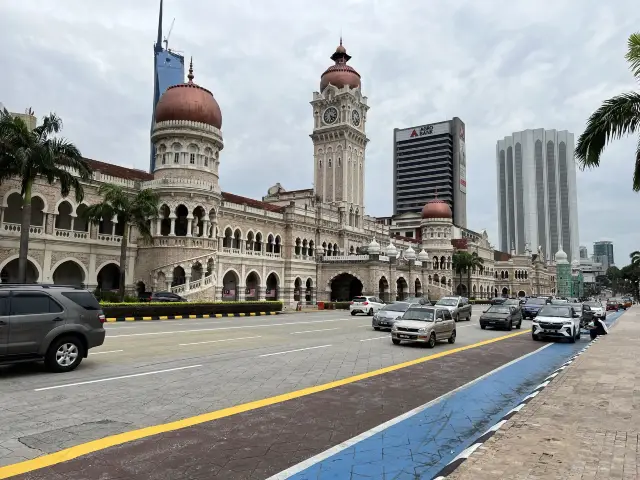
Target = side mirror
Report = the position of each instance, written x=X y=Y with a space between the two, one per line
x=576 y=315
x=484 y=311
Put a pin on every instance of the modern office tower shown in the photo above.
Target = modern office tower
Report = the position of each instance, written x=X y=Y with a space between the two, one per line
x=168 y=70
x=604 y=248
x=537 y=198
x=428 y=161
x=584 y=254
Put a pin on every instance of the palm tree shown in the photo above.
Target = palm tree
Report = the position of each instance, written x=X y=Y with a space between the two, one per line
x=131 y=211
x=635 y=258
x=26 y=154
x=475 y=261
x=461 y=261
x=617 y=117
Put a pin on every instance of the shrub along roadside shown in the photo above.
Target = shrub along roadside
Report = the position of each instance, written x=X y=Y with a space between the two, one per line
x=158 y=309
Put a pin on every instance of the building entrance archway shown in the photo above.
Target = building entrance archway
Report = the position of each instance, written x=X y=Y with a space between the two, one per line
x=344 y=287
x=522 y=294
x=383 y=289
x=461 y=290
x=230 y=286
x=271 y=293
x=402 y=289
x=68 y=273
x=9 y=273
x=109 y=277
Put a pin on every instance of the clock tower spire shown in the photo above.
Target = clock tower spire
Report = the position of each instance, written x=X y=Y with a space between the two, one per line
x=339 y=138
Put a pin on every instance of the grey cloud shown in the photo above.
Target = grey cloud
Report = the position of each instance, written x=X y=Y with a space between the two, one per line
x=500 y=65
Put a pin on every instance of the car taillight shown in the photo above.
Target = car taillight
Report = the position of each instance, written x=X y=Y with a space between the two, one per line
x=102 y=318
x=366 y=303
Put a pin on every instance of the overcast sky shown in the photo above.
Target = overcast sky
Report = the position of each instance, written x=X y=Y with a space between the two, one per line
x=501 y=66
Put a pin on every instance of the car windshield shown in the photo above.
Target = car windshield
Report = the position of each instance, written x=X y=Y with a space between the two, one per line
x=551 y=311
x=594 y=304
x=419 y=314
x=559 y=302
x=360 y=299
x=512 y=301
x=396 y=307
x=536 y=301
x=448 y=302
x=499 y=309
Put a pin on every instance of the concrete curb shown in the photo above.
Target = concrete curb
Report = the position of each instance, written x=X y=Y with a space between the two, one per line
x=182 y=317
x=466 y=453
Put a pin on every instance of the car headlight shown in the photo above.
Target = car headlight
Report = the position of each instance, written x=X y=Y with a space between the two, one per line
x=567 y=323
x=394 y=329
x=423 y=330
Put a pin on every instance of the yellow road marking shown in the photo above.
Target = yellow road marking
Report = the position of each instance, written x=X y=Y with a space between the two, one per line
x=193 y=316
x=206 y=315
x=252 y=314
x=163 y=317
x=231 y=314
x=218 y=315
x=147 y=318
x=119 y=439
x=111 y=319
x=130 y=319
x=177 y=317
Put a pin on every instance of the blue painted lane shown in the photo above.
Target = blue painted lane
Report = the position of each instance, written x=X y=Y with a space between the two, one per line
x=420 y=445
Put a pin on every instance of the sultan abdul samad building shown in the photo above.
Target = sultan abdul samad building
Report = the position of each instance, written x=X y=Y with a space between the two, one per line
x=302 y=245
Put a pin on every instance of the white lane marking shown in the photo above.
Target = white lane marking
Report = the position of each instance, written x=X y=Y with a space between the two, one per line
x=375 y=338
x=312 y=331
x=216 y=341
x=102 y=353
x=195 y=330
x=288 y=473
x=111 y=327
x=296 y=350
x=109 y=379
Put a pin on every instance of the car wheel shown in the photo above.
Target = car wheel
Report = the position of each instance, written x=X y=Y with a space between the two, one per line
x=483 y=327
x=535 y=337
x=64 y=354
x=432 y=341
x=457 y=318
x=572 y=339
x=519 y=325
x=579 y=334
x=395 y=341
x=353 y=314
x=370 y=312
x=452 y=338
x=377 y=329
x=509 y=326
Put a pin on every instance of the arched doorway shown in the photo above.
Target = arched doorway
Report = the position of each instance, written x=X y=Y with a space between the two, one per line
x=461 y=290
x=402 y=289
x=68 y=273
x=230 y=286
x=345 y=287
x=297 y=289
x=9 y=273
x=109 y=277
x=383 y=289
x=418 y=287
x=505 y=292
x=271 y=293
x=252 y=286
x=308 y=292
x=522 y=294
x=179 y=276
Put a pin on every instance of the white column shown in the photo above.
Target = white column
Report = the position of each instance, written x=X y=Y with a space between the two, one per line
x=189 y=225
x=73 y=222
x=205 y=228
x=172 y=217
x=158 y=226
x=114 y=222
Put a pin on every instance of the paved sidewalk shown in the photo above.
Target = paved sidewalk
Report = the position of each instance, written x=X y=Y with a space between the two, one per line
x=585 y=425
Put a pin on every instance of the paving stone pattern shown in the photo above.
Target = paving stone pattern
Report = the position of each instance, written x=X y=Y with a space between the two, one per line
x=583 y=426
x=260 y=443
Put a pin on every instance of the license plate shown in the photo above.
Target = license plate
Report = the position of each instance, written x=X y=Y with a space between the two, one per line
x=404 y=336
x=384 y=323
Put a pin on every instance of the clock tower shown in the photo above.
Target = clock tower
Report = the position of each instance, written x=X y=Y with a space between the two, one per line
x=339 y=139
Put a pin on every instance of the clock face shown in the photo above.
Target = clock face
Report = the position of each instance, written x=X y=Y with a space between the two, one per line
x=330 y=115
x=355 y=117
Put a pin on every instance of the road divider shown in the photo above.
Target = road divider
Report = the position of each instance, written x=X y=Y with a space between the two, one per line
x=185 y=317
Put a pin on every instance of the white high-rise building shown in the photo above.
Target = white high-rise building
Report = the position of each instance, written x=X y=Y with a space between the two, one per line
x=537 y=197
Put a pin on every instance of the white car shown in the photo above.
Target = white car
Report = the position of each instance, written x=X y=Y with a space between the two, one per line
x=556 y=321
x=368 y=305
x=597 y=308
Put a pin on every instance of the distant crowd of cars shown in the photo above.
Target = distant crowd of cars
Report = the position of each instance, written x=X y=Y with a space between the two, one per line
x=421 y=321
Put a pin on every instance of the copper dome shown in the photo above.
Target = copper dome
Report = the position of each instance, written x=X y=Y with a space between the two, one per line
x=188 y=101
x=436 y=209
x=340 y=74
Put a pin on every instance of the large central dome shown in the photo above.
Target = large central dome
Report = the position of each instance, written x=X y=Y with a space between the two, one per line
x=190 y=102
x=340 y=74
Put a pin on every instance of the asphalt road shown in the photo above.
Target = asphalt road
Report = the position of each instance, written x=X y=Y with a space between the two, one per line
x=148 y=373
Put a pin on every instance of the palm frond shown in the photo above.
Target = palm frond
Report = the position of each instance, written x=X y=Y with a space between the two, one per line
x=633 y=54
x=636 y=170
x=117 y=197
x=50 y=124
x=617 y=117
x=97 y=213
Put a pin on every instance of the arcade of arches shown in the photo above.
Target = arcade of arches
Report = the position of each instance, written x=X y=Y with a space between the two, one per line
x=253 y=288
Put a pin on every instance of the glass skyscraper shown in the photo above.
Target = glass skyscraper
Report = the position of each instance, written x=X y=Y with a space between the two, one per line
x=168 y=70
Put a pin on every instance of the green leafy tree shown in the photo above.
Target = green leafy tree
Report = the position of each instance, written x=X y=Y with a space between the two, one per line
x=131 y=211
x=29 y=154
x=461 y=261
x=615 y=276
x=475 y=261
x=617 y=117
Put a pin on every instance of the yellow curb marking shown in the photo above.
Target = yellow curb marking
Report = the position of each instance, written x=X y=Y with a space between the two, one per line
x=206 y=315
x=218 y=315
x=129 y=319
x=193 y=316
x=242 y=314
x=252 y=314
x=163 y=317
x=177 y=317
x=147 y=318
x=231 y=314
x=263 y=313
x=119 y=439
x=111 y=319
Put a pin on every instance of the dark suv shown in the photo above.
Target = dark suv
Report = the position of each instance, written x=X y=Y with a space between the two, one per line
x=54 y=323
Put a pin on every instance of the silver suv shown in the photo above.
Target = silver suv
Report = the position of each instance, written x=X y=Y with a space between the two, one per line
x=54 y=323
x=459 y=307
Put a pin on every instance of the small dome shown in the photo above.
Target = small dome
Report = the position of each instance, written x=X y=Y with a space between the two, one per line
x=576 y=263
x=561 y=255
x=374 y=247
x=423 y=256
x=391 y=250
x=410 y=253
x=340 y=74
x=436 y=209
x=191 y=102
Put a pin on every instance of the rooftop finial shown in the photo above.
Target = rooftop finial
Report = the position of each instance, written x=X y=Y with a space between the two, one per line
x=436 y=193
x=190 y=76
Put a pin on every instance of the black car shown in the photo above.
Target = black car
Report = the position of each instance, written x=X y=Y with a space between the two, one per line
x=532 y=306
x=166 y=297
x=501 y=316
x=497 y=301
